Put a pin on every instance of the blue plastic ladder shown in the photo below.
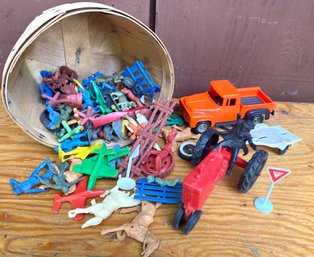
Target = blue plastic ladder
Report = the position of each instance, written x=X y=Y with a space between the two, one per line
x=153 y=192
x=143 y=82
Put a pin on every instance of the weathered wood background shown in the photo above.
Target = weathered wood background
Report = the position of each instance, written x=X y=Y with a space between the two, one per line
x=269 y=43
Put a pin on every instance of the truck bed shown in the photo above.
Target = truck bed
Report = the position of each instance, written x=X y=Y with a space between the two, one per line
x=254 y=98
x=251 y=100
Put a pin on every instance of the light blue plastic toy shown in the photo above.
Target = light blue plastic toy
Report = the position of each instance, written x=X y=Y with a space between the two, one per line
x=127 y=183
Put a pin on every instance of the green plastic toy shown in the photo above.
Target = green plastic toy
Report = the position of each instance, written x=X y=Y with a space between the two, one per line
x=100 y=100
x=164 y=182
x=69 y=132
x=174 y=120
x=98 y=165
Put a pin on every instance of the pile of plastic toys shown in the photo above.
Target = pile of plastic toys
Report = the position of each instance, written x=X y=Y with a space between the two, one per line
x=95 y=119
x=90 y=120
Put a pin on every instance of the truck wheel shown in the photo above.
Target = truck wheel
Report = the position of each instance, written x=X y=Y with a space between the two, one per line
x=186 y=150
x=252 y=170
x=201 y=127
x=178 y=218
x=281 y=152
x=257 y=118
x=191 y=222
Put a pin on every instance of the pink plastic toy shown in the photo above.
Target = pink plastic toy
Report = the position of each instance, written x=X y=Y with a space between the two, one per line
x=148 y=136
x=106 y=119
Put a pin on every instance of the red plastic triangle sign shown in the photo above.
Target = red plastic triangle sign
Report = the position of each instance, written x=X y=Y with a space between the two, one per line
x=277 y=174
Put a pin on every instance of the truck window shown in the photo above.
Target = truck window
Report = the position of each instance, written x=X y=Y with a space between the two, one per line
x=232 y=102
x=216 y=98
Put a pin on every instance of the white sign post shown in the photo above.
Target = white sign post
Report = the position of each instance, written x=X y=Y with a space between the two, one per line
x=263 y=204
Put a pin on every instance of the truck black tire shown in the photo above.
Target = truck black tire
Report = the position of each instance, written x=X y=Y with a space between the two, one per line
x=186 y=150
x=191 y=222
x=201 y=127
x=257 y=118
x=178 y=218
x=252 y=170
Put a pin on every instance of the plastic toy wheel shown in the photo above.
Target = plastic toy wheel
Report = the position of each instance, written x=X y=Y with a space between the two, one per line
x=207 y=139
x=257 y=118
x=186 y=150
x=201 y=127
x=191 y=222
x=281 y=152
x=252 y=170
x=178 y=219
x=166 y=166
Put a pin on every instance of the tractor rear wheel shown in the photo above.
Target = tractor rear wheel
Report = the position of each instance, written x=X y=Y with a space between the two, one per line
x=178 y=219
x=208 y=138
x=252 y=170
x=191 y=222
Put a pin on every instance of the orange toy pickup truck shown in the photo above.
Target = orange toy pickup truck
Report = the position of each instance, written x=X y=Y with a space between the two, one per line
x=220 y=105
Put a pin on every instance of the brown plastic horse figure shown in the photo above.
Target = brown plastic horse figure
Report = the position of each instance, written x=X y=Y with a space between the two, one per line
x=138 y=228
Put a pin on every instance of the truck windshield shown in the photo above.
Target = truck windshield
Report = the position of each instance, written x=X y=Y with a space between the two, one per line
x=216 y=98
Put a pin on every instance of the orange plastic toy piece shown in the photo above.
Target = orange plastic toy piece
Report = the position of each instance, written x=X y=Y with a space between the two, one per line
x=221 y=104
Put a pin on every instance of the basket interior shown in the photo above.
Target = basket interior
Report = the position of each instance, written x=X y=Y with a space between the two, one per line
x=86 y=42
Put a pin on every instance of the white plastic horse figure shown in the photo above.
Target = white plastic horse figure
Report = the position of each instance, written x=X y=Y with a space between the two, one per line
x=114 y=200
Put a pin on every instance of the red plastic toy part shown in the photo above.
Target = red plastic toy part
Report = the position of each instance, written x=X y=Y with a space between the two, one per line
x=198 y=185
x=77 y=199
x=160 y=163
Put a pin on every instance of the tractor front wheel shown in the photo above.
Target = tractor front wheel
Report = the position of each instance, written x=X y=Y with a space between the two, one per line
x=252 y=170
x=191 y=222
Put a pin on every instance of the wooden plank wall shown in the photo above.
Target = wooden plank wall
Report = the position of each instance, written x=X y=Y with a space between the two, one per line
x=17 y=14
x=269 y=43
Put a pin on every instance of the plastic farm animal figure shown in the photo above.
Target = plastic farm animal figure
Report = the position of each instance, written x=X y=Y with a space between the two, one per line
x=138 y=228
x=114 y=200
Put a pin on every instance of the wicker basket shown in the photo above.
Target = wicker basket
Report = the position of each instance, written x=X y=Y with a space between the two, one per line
x=87 y=37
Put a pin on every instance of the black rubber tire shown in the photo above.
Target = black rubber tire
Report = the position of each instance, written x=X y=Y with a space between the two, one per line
x=281 y=152
x=191 y=222
x=207 y=139
x=186 y=150
x=201 y=127
x=252 y=170
x=178 y=218
x=257 y=118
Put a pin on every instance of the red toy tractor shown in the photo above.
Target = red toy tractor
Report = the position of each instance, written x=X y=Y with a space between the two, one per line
x=215 y=160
